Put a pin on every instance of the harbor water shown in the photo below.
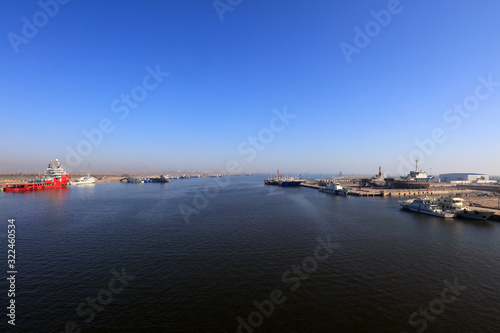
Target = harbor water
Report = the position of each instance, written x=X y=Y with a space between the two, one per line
x=233 y=255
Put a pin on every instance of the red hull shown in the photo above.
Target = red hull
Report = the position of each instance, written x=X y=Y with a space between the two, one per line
x=57 y=182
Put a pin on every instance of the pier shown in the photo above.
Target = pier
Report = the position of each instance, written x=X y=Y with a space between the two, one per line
x=477 y=197
x=366 y=193
x=377 y=192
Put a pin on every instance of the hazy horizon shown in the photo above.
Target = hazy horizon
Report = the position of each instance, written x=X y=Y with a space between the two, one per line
x=306 y=87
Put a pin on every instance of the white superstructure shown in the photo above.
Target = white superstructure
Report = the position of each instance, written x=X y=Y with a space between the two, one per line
x=334 y=188
x=426 y=206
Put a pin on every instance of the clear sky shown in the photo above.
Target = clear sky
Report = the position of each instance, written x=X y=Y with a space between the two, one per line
x=304 y=86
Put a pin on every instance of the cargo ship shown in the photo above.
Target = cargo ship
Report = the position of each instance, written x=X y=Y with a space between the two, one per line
x=55 y=177
x=415 y=179
x=283 y=181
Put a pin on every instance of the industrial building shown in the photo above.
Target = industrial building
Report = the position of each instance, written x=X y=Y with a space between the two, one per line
x=465 y=178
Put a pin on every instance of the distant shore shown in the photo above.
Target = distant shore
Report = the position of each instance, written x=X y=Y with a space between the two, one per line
x=477 y=195
x=107 y=178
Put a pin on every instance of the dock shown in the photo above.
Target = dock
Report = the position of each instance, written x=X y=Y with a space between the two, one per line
x=366 y=193
x=310 y=185
x=374 y=192
x=474 y=195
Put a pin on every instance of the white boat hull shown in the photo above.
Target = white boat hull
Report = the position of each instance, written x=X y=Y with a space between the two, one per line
x=85 y=181
x=338 y=192
x=474 y=215
x=427 y=211
x=334 y=188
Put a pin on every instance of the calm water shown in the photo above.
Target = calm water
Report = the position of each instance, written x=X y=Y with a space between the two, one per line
x=243 y=243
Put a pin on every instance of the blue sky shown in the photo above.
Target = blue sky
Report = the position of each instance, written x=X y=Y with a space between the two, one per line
x=225 y=78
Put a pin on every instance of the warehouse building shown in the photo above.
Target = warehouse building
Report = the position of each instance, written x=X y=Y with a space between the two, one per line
x=464 y=178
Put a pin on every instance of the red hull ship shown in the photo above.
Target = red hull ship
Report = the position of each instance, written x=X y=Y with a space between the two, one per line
x=55 y=177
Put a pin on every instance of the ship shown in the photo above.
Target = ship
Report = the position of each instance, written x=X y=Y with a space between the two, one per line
x=415 y=179
x=160 y=179
x=283 y=181
x=55 y=177
x=375 y=181
x=378 y=180
x=290 y=182
x=456 y=205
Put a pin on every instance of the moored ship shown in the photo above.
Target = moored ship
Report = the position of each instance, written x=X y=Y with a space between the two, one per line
x=415 y=179
x=160 y=179
x=456 y=205
x=334 y=188
x=85 y=180
x=427 y=206
x=283 y=181
x=55 y=177
x=375 y=181
x=135 y=180
x=290 y=182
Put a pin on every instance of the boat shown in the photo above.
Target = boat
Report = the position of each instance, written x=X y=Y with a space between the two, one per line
x=334 y=188
x=86 y=180
x=135 y=180
x=426 y=206
x=55 y=177
x=160 y=179
x=456 y=205
x=415 y=179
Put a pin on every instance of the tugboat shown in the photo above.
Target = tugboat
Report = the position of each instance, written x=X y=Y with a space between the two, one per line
x=55 y=177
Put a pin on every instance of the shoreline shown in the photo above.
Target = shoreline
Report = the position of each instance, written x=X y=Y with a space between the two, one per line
x=475 y=195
